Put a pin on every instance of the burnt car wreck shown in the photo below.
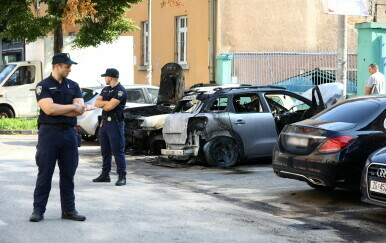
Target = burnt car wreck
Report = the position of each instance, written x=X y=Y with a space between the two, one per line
x=143 y=125
x=228 y=125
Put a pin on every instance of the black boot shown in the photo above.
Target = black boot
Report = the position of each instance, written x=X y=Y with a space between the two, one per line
x=121 y=180
x=104 y=177
x=74 y=215
x=36 y=216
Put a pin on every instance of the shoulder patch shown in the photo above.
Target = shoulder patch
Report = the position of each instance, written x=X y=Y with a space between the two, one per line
x=120 y=93
x=38 y=90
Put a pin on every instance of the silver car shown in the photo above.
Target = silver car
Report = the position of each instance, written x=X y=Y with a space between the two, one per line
x=228 y=125
x=138 y=95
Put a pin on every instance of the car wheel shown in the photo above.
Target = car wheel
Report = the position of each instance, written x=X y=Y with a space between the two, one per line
x=321 y=188
x=221 y=152
x=88 y=137
x=5 y=112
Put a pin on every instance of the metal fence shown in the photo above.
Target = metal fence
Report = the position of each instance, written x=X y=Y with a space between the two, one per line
x=296 y=70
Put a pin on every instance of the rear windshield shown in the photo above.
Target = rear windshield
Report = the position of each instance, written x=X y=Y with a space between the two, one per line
x=352 y=112
x=88 y=94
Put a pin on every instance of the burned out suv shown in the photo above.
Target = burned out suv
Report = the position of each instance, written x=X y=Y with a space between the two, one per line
x=227 y=125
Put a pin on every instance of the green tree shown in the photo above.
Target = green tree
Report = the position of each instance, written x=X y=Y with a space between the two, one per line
x=100 y=20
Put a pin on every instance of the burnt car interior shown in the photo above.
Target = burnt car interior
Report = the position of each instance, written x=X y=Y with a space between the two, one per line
x=285 y=110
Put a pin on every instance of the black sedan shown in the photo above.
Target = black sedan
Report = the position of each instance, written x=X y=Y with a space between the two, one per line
x=330 y=149
x=373 y=184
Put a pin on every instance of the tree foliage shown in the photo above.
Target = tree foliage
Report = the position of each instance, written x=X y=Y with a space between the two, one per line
x=100 y=20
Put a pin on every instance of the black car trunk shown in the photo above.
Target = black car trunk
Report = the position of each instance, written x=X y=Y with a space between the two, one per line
x=305 y=137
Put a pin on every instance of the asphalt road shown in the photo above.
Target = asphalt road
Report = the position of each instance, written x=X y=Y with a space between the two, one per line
x=171 y=201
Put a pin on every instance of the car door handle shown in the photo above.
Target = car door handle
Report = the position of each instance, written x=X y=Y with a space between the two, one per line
x=240 y=121
x=32 y=89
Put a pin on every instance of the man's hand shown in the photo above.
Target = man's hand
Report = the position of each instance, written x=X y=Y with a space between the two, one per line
x=78 y=109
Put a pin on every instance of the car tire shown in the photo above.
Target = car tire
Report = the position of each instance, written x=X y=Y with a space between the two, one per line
x=88 y=138
x=321 y=188
x=5 y=112
x=221 y=152
x=157 y=146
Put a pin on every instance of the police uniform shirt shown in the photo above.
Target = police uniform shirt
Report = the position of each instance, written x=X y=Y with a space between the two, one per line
x=117 y=92
x=61 y=93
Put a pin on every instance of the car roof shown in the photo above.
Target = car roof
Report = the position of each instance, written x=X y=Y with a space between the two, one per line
x=125 y=86
x=380 y=99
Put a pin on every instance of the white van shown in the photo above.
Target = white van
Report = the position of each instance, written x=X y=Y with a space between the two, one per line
x=17 y=89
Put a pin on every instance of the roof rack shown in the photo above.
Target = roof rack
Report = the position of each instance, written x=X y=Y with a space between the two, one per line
x=220 y=89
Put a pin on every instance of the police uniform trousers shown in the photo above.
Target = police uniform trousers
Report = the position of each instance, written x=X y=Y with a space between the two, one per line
x=60 y=145
x=112 y=141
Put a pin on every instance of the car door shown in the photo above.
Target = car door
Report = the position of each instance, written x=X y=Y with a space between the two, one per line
x=287 y=107
x=254 y=124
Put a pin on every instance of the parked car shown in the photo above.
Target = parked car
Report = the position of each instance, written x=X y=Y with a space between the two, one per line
x=330 y=149
x=373 y=182
x=138 y=96
x=143 y=125
x=226 y=125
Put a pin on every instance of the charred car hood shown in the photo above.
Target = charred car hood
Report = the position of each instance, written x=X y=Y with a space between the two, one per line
x=154 y=122
x=172 y=84
x=326 y=125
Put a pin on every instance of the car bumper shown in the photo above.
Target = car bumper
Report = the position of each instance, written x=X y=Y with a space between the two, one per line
x=318 y=170
x=177 y=152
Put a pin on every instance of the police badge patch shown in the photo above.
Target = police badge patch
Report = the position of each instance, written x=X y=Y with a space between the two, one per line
x=120 y=93
x=38 y=90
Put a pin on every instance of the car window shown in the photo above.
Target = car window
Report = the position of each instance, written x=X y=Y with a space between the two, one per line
x=135 y=96
x=218 y=104
x=23 y=75
x=247 y=103
x=5 y=72
x=153 y=93
x=352 y=112
x=285 y=102
x=88 y=94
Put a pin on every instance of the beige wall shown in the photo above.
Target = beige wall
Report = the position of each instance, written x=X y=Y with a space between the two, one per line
x=163 y=39
x=273 y=25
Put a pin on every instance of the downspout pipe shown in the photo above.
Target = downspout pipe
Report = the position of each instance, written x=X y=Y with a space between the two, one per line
x=212 y=42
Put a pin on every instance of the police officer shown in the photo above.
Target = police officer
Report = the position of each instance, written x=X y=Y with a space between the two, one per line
x=60 y=102
x=111 y=133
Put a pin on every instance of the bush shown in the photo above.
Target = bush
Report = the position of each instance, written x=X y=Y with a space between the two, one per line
x=18 y=124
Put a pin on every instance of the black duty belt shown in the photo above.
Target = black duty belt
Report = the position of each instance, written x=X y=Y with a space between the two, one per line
x=57 y=125
x=113 y=118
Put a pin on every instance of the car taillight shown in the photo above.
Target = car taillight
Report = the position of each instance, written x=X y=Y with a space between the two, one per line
x=335 y=144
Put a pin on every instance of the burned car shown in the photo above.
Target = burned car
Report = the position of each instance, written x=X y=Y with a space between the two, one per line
x=227 y=125
x=143 y=125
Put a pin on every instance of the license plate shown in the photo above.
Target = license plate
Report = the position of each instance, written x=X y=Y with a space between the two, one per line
x=297 y=142
x=376 y=186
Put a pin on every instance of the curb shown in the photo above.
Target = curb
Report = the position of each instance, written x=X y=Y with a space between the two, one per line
x=18 y=132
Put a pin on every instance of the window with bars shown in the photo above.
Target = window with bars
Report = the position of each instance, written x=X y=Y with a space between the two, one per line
x=144 y=43
x=181 y=38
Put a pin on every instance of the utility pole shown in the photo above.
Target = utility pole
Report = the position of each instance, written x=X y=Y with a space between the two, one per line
x=341 y=72
x=149 y=66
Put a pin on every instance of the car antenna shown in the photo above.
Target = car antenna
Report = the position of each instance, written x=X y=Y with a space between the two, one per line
x=99 y=82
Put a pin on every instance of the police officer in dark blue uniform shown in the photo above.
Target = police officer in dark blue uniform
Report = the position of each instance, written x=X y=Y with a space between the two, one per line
x=60 y=102
x=111 y=133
